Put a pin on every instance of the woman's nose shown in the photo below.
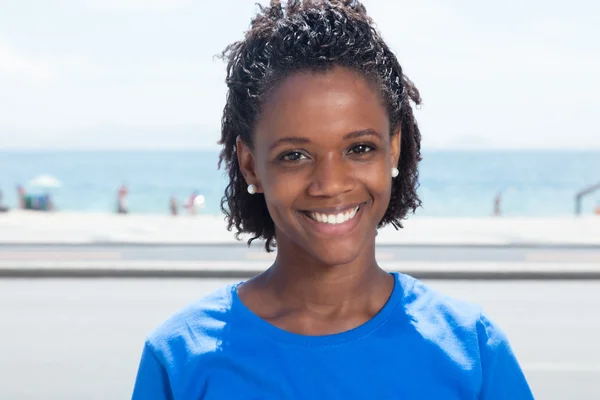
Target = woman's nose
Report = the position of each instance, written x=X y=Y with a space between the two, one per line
x=330 y=177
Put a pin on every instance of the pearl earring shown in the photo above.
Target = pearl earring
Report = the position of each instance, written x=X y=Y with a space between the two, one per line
x=395 y=172
x=252 y=189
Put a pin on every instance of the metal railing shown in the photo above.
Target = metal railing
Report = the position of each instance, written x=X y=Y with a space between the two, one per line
x=579 y=196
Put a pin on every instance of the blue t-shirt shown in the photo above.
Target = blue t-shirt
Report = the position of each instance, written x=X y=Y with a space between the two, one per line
x=421 y=345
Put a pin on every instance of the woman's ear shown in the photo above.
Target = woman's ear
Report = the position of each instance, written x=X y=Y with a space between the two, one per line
x=246 y=163
x=395 y=147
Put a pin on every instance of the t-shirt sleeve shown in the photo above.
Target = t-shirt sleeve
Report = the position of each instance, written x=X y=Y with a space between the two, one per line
x=503 y=377
x=152 y=381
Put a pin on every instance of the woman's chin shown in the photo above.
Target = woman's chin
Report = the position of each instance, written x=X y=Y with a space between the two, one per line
x=335 y=254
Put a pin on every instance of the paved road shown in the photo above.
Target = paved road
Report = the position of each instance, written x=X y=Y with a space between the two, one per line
x=110 y=252
x=81 y=338
x=215 y=261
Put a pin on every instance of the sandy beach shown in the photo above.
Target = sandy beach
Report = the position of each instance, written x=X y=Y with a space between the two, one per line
x=85 y=228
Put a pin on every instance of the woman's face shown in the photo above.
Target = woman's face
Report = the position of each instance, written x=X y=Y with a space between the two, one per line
x=323 y=157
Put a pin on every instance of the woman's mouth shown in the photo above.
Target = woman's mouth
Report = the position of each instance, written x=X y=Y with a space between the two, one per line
x=333 y=219
x=333 y=223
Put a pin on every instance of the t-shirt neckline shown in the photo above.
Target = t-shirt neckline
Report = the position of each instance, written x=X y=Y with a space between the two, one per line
x=291 y=338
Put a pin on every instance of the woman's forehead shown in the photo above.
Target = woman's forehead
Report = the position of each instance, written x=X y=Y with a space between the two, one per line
x=331 y=104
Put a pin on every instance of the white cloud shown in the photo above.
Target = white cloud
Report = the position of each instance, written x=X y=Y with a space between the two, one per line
x=518 y=76
x=40 y=71
x=18 y=65
x=62 y=100
x=522 y=74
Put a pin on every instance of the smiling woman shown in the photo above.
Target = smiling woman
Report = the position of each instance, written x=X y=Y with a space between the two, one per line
x=322 y=149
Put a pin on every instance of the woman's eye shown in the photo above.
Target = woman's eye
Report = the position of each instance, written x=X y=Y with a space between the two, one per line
x=293 y=156
x=361 y=149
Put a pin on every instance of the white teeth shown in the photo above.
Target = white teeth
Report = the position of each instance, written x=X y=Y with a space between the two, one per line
x=334 y=219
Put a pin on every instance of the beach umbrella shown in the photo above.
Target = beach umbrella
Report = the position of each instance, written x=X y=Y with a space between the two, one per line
x=46 y=182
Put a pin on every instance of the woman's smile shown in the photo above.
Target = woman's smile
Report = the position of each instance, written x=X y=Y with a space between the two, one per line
x=333 y=221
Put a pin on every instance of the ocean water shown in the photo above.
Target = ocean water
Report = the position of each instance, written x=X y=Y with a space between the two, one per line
x=453 y=183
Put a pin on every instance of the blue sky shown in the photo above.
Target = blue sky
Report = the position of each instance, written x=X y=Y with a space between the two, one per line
x=141 y=74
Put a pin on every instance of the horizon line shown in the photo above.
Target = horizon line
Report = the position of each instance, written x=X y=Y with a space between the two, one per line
x=218 y=148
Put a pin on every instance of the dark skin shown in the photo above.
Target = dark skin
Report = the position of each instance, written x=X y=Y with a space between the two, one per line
x=322 y=144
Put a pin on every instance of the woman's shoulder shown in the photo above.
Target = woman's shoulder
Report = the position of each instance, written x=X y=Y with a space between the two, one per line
x=424 y=301
x=195 y=327
x=460 y=332
x=444 y=319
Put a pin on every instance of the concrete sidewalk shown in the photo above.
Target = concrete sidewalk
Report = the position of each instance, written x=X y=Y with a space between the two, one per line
x=82 y=228
x=104 y=231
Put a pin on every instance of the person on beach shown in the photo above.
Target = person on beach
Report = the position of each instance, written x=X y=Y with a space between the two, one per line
x=191 y=203
x=22 y=196
x=3 y=208
x=498 y=205
x=122 y=200
x=322 y=149
x=194 y=202
x=173 y=206
x=46 y=203
x=34 y=202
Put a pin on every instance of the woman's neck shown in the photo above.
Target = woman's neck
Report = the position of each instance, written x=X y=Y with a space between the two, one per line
x=299 y=281
x=301 y=295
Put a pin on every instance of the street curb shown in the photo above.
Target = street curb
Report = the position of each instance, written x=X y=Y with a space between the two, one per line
x=247 y=269
x=245 y=274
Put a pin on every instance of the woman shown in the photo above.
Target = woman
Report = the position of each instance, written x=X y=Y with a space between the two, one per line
x=322 y=149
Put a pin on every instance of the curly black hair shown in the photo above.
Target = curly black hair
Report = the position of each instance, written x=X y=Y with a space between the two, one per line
x=311 y=35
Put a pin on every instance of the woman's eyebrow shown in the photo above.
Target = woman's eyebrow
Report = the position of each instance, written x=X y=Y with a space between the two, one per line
x=291 y=140
x=363 y=133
